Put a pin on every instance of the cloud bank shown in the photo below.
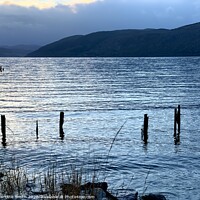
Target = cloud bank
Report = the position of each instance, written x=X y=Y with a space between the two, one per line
x=44 y=4
x=22 y=24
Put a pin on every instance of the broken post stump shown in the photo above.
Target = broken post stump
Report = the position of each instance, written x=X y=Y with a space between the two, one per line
x=175 y=114
x=145 y=129
x=179 y=119
x=37 y=130
x=61 y=122
x=177 y=124
x=3 y=129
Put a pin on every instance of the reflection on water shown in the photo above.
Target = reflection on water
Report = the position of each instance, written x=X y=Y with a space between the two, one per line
x=97 y=95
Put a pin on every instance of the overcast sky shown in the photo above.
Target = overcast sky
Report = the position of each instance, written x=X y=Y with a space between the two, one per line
x=44 y=21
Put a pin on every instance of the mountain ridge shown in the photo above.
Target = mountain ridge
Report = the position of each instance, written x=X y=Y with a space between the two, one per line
x=181 y=41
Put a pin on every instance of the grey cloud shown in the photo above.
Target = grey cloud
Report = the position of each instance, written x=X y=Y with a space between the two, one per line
x=20 y=25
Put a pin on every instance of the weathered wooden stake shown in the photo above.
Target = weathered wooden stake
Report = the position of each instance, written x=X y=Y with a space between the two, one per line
x=3 y=129
x=175 y=118
x=37 y=129
x=179 y=119
x=177 y=122
x=145 y=128
x=61 y=125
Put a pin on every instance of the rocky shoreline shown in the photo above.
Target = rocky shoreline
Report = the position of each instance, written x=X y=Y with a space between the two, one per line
x=88 y=191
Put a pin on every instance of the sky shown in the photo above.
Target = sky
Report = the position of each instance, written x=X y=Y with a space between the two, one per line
x=44 y=21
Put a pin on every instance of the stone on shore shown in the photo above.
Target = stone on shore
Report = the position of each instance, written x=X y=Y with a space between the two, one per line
x=153 y=197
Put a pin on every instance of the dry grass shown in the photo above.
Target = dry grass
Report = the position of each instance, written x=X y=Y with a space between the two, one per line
x=13 y=181
x=17 y=181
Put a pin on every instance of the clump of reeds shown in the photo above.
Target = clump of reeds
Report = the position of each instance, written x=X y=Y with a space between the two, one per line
x=13 y=181
x=17 y=181
x=73 y=184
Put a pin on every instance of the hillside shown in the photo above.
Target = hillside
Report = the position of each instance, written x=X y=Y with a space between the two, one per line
x=17 y=51
x=182 y=41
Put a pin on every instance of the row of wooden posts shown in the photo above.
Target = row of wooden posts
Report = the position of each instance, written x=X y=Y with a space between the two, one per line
x=3 y=128
x=177 y=126
x=144 y=133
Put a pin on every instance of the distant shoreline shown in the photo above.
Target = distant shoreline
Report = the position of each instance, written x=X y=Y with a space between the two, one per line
x=180 y=42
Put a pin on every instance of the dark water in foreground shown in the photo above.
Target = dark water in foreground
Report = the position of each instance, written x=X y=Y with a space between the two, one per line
x=98 y=95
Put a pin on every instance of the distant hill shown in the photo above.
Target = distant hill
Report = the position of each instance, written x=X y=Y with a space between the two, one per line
x=182 y=41
x=17 y=51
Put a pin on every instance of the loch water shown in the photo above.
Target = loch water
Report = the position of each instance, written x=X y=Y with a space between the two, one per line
x=104 y=101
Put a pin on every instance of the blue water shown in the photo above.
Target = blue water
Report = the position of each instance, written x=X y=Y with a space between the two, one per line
x=99 y=95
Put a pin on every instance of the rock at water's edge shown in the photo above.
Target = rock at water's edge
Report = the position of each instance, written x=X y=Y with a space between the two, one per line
x=153 y=197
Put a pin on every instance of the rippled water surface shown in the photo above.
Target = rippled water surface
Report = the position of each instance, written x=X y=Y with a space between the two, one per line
x=99 y=95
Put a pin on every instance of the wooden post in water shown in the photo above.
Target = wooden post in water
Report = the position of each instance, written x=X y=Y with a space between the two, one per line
x=37 y=130
x=61 y=125
x=3 y=129
x=145 y=128
x=179 y=119
x=175 y=118
x=177 y=122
